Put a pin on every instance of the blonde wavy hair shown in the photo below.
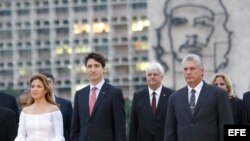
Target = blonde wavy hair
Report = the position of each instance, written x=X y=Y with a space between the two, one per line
x=48 y=94
x=228 y=83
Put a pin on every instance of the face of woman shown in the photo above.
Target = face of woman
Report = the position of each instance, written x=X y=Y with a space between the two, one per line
x=220 y=82
x=37 y=89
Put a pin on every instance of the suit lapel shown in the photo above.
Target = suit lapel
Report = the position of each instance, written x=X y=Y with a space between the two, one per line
x=57 y=101
x=102 y=94
x=85 y=102
x=201 y=98
x=146 y=102
x=186 y=102
x=161 y=102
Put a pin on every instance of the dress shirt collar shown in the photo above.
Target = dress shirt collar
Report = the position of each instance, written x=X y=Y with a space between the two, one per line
x=157 y=91
x=197 y=88
x=98 y=86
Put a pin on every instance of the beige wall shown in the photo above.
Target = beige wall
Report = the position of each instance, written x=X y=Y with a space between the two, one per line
x=238 y=68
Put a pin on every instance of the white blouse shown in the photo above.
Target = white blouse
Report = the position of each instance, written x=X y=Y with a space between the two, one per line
x=43 y=127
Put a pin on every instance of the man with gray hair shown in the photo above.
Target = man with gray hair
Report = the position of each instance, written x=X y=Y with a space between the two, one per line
x=148 y=114
x=197 y=111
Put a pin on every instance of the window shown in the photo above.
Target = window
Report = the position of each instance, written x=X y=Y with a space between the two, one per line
x=9 y=45
x=10 y=65
x=80 y=9
x=100 y=8
x=27 y=24
x=76 y=41
x=56 y=22
x=139 y=6
x=19 y=44
x=42 y=11
x=65 y=1
x=5 y=34
x=66 y=62
x=46 y=23
x=43 y=31
x=57 y=42
x=28 y=44
x=23 y=12
x=104 y=40
x=20 y=83
x=58 y=62
x=20 y=64
x=8 y=24
x=77 y=61
x=25 y=52
x=39 y=63
x=28 y=63
x=47 y=43
x=5 y=13
x=24 y=33
x=45 y=3
x=67 y=82
x=27 y=4
x=61 y=10
x=47 y=62
x=65 y=22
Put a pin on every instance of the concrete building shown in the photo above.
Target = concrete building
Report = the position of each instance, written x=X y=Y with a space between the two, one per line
x=55 y=35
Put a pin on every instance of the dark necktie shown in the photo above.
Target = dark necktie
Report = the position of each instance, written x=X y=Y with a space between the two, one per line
x=192 y=101
x=153 y=103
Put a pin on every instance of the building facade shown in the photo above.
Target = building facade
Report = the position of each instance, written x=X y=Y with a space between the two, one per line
x=55 y=35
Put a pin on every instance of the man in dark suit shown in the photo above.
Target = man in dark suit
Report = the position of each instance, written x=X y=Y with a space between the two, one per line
x=197 y=111
x=9 y=101
x=99 y=113
x=246 y=102
x=8 y=122
x=149 y=107
x=64 y=105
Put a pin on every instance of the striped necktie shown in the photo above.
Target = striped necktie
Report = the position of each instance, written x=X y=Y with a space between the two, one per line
x=192 y=101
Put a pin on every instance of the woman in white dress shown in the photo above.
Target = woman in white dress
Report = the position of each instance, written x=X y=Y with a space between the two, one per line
x=42 y=119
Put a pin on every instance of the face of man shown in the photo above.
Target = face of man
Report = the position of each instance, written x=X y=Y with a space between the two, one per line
x=23 y=100
x=95 y=71
x=193 y=74
x=51 y=84
x=154 y=78
x=190 y=29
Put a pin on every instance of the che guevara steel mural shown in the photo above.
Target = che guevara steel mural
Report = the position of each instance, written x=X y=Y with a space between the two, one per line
x=194 y=26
